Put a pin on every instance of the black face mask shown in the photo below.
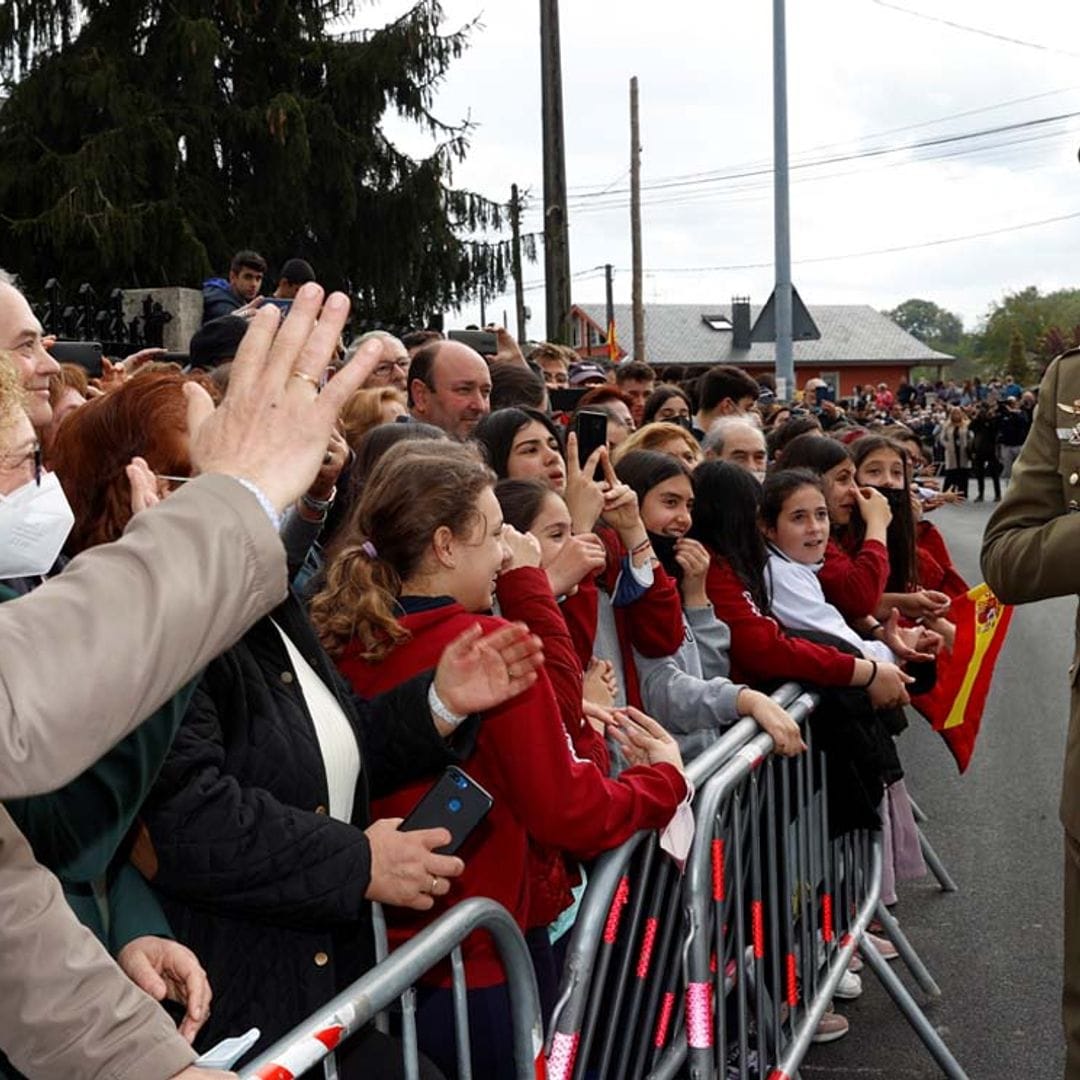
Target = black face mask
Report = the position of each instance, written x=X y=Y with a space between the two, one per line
x=664 y=549
x=895 y=497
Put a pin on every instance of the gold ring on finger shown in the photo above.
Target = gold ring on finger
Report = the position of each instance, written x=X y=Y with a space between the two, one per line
x=307 y=378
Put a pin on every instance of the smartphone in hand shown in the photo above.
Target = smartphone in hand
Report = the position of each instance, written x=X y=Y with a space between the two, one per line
x=455 y=802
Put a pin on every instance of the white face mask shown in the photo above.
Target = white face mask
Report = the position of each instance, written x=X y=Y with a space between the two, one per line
x=34 y=523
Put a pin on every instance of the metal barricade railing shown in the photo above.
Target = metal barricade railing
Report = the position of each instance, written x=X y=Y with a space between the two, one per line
x=318 y=1037
x=729 y=970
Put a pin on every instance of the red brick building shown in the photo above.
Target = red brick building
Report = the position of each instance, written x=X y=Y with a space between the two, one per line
x=857 y=344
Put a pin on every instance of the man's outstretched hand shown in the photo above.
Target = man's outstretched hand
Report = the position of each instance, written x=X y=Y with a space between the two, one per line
x=274 y=425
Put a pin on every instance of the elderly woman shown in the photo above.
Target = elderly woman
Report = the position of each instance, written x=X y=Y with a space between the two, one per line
x=256 y=833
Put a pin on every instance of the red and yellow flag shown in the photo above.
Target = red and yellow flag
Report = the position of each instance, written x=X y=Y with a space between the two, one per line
x=954 y=707
x=612 y=344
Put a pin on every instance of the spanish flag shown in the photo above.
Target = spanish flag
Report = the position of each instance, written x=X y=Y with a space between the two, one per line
x=954 y=707
x=612 y=344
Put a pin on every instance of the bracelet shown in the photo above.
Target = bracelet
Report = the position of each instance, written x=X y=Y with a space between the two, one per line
x=873 y=675
x=646 y=543
x=439 y=709
x=319 y=506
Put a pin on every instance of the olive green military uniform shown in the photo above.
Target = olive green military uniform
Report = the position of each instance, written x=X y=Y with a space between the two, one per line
x=1031 y=551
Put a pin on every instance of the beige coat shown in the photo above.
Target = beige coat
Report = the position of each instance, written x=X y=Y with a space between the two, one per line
x=82 y=660
x=1031 y=549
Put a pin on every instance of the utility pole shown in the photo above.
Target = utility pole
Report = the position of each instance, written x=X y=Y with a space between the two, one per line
x=609 y=275
x=483 y=311
x=785 y=361
x=635 y=224
x=515 y=262
x=556 y=227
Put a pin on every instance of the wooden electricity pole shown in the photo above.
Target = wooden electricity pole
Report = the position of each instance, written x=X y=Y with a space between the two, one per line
x=515 y=260
x=556 y=228
x=635 y=224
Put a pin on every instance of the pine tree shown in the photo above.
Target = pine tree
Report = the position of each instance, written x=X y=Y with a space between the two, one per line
x=150 y=139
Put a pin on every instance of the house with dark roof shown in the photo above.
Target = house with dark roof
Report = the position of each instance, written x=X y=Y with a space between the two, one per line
x=855 y=344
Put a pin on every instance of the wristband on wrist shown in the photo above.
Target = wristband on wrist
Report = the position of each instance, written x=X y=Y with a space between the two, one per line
x=319 y=506
x=439 y=709
x=873 y=675
x=646 y=543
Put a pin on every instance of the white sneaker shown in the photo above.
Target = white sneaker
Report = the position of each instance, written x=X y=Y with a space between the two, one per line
x=849 y=987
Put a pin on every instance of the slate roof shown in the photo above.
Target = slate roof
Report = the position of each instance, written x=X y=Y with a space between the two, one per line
x=850 y=334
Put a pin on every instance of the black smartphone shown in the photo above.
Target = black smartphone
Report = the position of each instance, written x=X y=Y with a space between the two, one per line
x=455 y=802
x=483 y=341
x=591 y=428
x=87 y=354
x=565 y=399
x=284 y=305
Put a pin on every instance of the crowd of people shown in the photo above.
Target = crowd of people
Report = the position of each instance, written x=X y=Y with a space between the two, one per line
x=229 y=810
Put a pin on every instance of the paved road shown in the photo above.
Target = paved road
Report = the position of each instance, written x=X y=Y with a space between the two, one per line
x=994 y=946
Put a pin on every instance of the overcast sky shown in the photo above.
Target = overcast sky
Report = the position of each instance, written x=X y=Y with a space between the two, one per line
x=862 y=75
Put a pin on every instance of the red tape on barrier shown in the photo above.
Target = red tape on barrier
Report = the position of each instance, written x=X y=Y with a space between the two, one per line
x=618 y=902
x=779 y=1074
x=564 y=1048
x=699 y=1033
x=667 y=1006
x=648 y=937
x=826 y=917
x=718 y=890
x=792 y=981
x=757 y=914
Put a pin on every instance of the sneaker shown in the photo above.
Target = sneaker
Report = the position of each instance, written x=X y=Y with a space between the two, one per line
x=886 y=949
x=831 y=1026
x=855 y=963
x=849 y=987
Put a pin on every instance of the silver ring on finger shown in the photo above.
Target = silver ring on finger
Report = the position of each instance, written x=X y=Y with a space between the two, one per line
x=434 y=886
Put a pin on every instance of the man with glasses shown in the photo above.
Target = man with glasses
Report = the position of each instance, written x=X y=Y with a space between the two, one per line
x=392 y=368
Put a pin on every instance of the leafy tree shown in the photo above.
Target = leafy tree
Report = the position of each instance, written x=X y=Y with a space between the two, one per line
x=928 y=322
x=150 y=139
x=1030 y=315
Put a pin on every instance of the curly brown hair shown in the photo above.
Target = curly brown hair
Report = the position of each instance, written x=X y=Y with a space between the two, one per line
x=416 y=488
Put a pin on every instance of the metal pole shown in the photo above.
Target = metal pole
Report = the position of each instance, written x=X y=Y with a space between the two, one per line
x=515 y=258
x=785 y=362
x=609 y=282
x=556 y=228
x=635 y=223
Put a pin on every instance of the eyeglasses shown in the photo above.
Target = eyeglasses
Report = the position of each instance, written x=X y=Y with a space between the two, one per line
x=31 y=457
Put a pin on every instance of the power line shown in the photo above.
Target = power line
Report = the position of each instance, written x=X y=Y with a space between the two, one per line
x=876 y=251
x=974 y=29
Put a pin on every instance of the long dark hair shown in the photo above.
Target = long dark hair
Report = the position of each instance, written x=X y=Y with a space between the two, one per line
x=642 y=470
x=497 y=430
x=813 y=452
x=657 y=398
x=900 y=539
x=727 y=502
x=779 y=486
x=521 y=501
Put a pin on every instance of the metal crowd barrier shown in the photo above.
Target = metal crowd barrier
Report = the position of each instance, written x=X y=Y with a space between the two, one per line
x=728 y=971
x=318 y=1037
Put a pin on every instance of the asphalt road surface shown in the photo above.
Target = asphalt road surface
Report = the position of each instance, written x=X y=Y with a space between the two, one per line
x=994 y=947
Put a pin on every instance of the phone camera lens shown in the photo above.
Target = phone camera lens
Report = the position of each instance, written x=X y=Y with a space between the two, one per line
x=461 y=782
x=454 y=805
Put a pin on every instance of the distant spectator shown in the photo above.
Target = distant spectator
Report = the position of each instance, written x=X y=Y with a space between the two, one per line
x=666 y=403
x=587 y=373
x=415 y=340
x=554 y=361
x=637 y=381
x=724 y=390
x=521 y=386
x=367 y=409
x=783 y=433
x=1013 y=426
x=740 y=441
x=216 y=342
x=294 y=273
x=883 y=399
x=393 y=368
x=222 y=297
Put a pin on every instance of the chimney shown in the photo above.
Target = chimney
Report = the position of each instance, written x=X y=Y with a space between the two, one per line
x=740 y=322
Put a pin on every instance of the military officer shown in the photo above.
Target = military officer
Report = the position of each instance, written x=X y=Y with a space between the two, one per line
x=1031 y=551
